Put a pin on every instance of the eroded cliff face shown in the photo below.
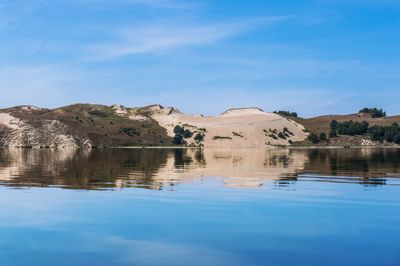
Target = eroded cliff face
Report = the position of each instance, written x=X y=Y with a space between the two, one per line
x=80 y=125
x=48 y=133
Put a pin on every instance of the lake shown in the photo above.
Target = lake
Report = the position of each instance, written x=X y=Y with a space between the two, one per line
x=199 y=207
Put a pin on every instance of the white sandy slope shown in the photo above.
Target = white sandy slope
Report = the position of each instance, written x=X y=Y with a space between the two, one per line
x=235 y=128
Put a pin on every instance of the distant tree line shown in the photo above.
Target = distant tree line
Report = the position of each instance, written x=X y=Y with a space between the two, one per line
x=350 y=128
x=377 y=133
x=286 y=113
x=388 y=133
x=374 y=112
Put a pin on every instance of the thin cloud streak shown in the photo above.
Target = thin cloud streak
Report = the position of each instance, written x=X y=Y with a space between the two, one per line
x=150 y=3
x=161 y=37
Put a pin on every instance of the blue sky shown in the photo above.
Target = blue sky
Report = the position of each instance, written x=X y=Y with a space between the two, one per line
x=310 y=56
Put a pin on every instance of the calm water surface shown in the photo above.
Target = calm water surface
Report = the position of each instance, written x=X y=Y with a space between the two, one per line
x=193 y=207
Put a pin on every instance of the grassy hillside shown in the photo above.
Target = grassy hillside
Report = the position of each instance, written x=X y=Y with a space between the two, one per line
x=98 y=123
x=322 y=123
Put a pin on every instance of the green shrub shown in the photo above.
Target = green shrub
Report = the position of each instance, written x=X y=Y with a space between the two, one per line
x=238 y=134
x=377 y=133
x=220 y=137
x=322 y=136
x=178 y=140
x=281 y=135
x=273 y=136
x=286 y=130
x=199 y=137
x=374 y=112
x=129 y=131
x=333 y=124
x=332 y=133
x=179 y=130
x=187 y=134
x=97 y=112
x=313 y=138
x=286 y=113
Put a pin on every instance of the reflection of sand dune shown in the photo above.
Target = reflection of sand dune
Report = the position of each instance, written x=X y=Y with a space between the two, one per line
x=237 y=167
x=163 y=168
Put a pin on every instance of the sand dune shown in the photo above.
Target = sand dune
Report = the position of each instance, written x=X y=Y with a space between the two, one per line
x=242 y=127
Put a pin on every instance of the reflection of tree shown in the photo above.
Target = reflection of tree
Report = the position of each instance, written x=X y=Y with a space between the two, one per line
x=353 y=162
x=182 y=160
x=199 y=157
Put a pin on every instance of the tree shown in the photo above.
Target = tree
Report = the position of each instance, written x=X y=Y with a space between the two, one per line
x=281 y=135
x=199 y=137
x=178 y=139
x=179 y=130
x=390 y=133
x=332 y=133
x=333 y=124
x=286 y=113
x=377 y=133
x=313 y=138
x=322 y=136
x=374 y=112
x=397 y=138
x=187 y=134
x=352 y=128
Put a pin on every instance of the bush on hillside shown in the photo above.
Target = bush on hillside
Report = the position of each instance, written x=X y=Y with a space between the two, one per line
x=332 y=133
x=178 y=140
x=129 y=131
x=322 y=136
x=199 y=137
x=313 y=138
x=333 y=125
x=374 y=112
x=187 y=134
x=286 y=113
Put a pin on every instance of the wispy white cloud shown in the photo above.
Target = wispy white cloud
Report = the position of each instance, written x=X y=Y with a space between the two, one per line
x=161 y=36
x=149 y=3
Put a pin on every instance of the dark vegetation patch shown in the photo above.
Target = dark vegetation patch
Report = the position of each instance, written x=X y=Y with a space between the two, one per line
x=237 y=134
x=130 y=131
x=322 y=124
x=286 y=113
x=221 y=138
x=374 y=112
x=182 y=133
x=97 y=112
x=199 y=137
x=390 y=134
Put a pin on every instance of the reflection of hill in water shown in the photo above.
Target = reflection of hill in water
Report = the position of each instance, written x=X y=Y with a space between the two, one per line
x=368 y=163
x=163 y=168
